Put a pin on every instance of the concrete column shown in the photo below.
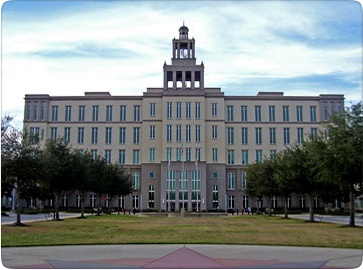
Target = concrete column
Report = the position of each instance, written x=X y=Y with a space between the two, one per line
x=178 y=48
x=174 y=79
x=183 y=79
x=192 y=79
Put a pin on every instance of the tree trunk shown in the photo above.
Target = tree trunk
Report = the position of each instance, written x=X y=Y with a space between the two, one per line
x=352 y=207
x=286 y=215
x=258 y=207
x=18 y=214
x=56 y=206
x=109 y=204
x=311 y=208
x=269 y=206
x=98 y=204
x=82 y=205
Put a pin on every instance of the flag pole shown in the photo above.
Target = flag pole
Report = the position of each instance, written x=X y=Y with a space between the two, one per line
x=183 y=175
x=168 y=185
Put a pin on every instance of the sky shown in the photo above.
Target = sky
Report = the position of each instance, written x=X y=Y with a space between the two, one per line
x=60 y=48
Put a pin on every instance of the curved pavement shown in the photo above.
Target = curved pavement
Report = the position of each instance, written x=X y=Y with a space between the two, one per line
x=179 y=257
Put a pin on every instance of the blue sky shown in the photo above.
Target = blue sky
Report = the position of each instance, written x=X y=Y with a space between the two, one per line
x=70 y=47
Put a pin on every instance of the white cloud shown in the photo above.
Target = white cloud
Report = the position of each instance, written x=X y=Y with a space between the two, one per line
x=125 y=44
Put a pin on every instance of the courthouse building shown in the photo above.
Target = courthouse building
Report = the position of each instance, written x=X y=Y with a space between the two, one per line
x=184 y=144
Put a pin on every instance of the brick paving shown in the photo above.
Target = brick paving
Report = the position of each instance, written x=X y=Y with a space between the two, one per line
x=179 y=257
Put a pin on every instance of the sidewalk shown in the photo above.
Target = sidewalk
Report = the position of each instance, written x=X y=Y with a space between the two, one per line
x=344 y=220
x=179 y=256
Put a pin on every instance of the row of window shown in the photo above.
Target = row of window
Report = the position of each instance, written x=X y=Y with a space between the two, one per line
x=39 y=111
x=271 y=113
x=169 y=134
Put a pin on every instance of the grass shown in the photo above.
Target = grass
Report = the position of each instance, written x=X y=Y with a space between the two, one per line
x=124 y=229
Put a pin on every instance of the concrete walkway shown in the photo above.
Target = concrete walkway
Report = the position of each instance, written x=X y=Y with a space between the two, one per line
x=179 y=256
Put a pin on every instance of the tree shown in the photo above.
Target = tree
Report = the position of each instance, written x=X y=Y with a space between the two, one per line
x=58 y=170
x=287 y=171
x=19 y=163
x=345 y=145
x=118 y=182
x=260 y=180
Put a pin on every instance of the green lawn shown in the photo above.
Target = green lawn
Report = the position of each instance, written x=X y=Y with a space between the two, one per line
x=124 y=229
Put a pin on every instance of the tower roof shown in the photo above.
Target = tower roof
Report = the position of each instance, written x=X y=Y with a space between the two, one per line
x=183 y=28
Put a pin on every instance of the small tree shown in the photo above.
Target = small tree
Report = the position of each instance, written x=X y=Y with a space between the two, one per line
x=58 y=170
x=345 y=146
x=20 y=164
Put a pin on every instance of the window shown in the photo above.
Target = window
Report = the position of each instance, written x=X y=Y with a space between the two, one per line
x=197 y=133
x=169 y=110
x=29 y=109
x=152 y=175
x=135 y=201
x=325 y=108
x=178 y=110
x=271 y=113
x=214 y=132
x=121 y=156
x=136 y=136
x=108 y=156
x=244 y=113
x=136 y=179
x=54 y=113
x=152 y=154
x=332 y=108
x=230 y=157
x=197 y=154
x=35 y=113
x=122 y=135
x=137 y=113
x=285 y=113
x=273 y=153
x=53 y=133
x=94 y=153
x=312 y=113
x=230 y=136
x=231 y=185
x=94 y=138
x=188 y=133
x=108 y=113
x=197 y=110
x=169 y=154
x=215 y=196
x=94 y=113
x=299 y=113
x=230 y=202
x=170 y=185
x=258 y=113
x=244 y=182
x=314 y=132
x=245 y=201
x=42 y=111
x=151 y=196
x=169 y=133
x=152 y=132
x=215 y=175
x=123 y=113
x=244 y=157
x=135 y=156
x=178 y=154
x=272 y=135
x=229 y=113
x=81 y=113
x=188 y=154
x=215 y=154
x=152 y=109
x=67 y=134
x=178 y=133
x=80 y=135
x=258 y=155
x=300 y=135
x=244 y=135
x=188 y=110
x=286 y=135
x=108 y=136
x=258 y=135
x=214 y=109
x=68 y=114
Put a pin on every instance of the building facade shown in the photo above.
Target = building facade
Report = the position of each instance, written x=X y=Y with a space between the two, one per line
x=184 y=144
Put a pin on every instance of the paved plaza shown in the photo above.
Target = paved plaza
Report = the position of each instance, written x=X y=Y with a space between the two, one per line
x=179 y=256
